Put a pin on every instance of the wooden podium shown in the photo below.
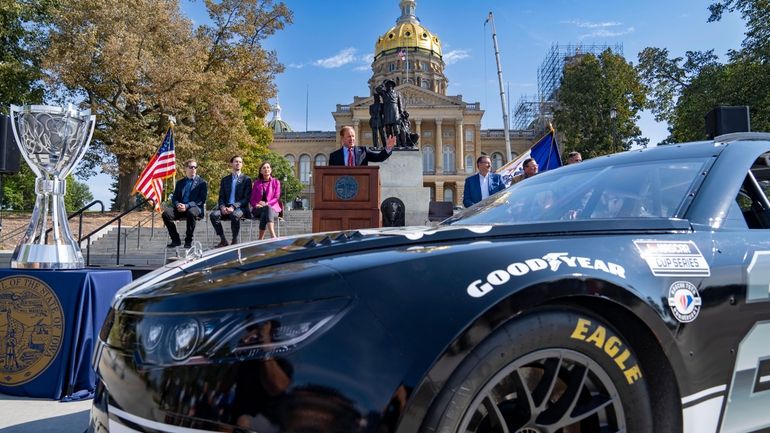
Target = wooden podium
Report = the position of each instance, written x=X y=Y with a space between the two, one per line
x=346 y=198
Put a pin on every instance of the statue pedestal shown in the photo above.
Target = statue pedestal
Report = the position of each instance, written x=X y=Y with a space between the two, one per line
x=401 y=177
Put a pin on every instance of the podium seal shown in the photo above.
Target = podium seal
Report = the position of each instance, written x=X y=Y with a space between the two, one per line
x=346 y=187
x=31 y=328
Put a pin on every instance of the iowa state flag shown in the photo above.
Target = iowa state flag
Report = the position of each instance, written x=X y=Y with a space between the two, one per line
x=545 y=152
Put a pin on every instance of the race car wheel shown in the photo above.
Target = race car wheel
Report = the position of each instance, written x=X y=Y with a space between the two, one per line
x=550 y=372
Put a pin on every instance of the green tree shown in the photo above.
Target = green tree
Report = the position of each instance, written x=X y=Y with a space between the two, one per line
x=684 y=89
x=138 y=63
x=22 y=37
x=599 y=101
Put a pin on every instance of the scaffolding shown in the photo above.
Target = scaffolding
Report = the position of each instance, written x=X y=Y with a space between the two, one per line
x=535 y=111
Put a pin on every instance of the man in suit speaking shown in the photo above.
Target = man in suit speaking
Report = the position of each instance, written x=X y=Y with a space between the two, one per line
x=352 y=155
x=482 y=184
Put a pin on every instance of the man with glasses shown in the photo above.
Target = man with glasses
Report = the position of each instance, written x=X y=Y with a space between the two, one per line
x=187 y=201
x=482 y=184
x=530 y=169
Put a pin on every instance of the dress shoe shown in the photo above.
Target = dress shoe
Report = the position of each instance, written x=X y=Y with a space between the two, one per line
x=188 y=244
x=235 y=241
x=174 y=244
x=222 y=243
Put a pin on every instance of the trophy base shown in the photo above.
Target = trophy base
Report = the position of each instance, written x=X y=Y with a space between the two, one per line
x=36 y=256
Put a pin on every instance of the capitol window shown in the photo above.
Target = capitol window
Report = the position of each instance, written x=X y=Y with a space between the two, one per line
x=304 y=169
x=320 y=159
x=469 y=163
x=449 y=159
x=428 y=159
x=469 y=134
x=425 y=84
x=292 y=163
x=497 y=160
x=391 y=67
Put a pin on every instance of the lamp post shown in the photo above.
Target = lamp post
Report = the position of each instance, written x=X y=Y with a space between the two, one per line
x=284 y=190
x=613 y=120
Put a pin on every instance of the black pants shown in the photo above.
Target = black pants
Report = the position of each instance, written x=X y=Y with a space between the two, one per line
x=191 y=215
x=216 y=218
x=264 y=214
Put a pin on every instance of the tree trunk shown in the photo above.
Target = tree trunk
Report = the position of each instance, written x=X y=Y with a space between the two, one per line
x=125 y=199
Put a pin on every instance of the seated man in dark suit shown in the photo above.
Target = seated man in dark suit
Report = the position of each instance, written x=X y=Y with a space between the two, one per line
x=187 y=201
x=482 y=184
x=233 y=203
x=352 y=155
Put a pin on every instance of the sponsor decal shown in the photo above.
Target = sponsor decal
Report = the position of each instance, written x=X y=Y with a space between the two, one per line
x=31 y=329
x=610 y=344
x=684 y=300
x=549 y=262
x=673 y=258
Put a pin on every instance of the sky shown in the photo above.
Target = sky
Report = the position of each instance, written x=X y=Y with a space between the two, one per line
x=328 y=49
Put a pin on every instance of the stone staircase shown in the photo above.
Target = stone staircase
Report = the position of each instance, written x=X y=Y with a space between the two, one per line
x=143 y=244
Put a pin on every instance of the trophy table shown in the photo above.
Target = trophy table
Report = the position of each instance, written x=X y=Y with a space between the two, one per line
x=52 y=140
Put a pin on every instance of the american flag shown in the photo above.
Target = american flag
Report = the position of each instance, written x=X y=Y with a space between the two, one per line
x=162 y=165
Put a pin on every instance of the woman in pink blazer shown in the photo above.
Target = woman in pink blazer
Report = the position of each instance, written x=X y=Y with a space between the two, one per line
x=264 y=199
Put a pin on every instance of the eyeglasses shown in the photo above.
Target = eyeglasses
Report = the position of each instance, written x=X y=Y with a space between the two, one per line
x=194 y=167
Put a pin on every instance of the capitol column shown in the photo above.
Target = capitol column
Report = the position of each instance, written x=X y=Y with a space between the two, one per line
x=459 y=146
x=439 y=151
x=418 y=126
x=439 y=190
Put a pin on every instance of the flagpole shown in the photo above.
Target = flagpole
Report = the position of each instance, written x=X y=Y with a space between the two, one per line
x=508 y=153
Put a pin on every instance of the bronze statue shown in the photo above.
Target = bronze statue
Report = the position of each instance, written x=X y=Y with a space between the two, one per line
x=375 y=119
x=395 y=118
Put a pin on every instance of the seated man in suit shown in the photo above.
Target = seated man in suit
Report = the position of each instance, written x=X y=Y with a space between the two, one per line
x=187 y=201
x=482 y=184
x=352 y=155
x=233 y=203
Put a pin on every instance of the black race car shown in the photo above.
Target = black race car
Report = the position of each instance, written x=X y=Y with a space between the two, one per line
x=628 y=293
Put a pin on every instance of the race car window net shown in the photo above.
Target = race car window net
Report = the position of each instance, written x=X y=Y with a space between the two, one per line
x=654 y=189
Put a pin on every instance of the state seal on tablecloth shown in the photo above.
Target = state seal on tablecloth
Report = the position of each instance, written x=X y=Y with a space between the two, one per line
x=31 y=328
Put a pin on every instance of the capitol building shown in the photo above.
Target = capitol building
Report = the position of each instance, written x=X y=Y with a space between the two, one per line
x=450 y=131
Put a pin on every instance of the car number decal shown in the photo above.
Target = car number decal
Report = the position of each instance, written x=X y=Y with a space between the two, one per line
x=673 y=258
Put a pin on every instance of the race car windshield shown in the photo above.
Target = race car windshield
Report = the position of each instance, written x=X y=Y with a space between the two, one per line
x=654 y=189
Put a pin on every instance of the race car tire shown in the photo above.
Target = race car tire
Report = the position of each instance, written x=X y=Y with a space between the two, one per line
x=551 y=371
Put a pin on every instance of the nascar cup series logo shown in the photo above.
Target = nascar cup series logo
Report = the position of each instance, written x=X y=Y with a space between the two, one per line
x=684 y=300
x=31 y=329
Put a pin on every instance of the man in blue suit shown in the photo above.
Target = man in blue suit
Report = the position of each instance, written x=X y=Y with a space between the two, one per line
x=482 y=184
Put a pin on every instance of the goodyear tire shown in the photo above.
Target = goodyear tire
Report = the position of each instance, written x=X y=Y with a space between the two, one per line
x=549 y=372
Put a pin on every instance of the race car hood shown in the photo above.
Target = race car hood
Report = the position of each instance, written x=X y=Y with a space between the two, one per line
x=269 y=263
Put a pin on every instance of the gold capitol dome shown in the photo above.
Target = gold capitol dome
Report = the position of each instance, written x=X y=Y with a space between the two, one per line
x=407 y=33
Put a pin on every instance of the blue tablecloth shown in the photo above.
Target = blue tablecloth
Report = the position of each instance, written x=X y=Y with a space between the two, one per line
x=49 y=323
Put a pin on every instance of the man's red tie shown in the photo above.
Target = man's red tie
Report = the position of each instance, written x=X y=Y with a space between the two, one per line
x=350 y=158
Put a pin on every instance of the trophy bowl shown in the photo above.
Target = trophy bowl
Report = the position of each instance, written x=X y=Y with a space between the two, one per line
x=52 y=140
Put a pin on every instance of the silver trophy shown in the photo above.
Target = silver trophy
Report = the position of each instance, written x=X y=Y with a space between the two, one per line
x=52 y=140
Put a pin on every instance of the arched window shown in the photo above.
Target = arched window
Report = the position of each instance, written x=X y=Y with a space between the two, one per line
x=425 y=84
x=292 y=163
x=469 y=164
x=497 y=161
x=428 y=159
x=449 y=159
x=449 y=194
x=304 y=169
x=320 y=159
